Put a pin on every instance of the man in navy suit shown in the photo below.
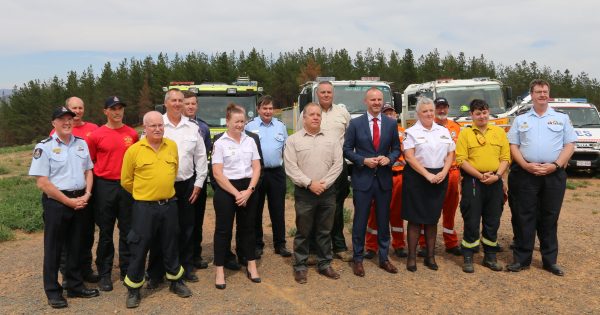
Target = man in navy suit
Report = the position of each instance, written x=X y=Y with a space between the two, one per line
x=371 y=142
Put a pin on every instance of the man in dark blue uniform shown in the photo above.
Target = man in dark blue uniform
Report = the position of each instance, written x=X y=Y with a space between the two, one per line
x=63 y=168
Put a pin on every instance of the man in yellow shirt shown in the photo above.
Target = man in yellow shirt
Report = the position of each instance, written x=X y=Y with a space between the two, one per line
x=148 y=173
x=483 y=153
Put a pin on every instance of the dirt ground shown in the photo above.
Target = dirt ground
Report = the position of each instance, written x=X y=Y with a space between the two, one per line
x=447 y=291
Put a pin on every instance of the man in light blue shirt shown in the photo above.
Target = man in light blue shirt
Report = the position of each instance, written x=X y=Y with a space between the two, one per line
x=63 y=170
x=272 y=134
x=541 y=144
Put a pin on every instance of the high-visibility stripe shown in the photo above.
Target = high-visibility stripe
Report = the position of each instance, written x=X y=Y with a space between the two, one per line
x=397 y=229
x=131 y=284
x=469 y=245
x=177 y=276
x=448 y=231
x=371 y=231
x=488 y=242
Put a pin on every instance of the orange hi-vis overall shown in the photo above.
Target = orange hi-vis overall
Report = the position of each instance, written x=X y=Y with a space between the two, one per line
x=396 y=222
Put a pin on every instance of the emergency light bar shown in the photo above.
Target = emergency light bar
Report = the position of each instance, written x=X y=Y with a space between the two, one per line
x=321 y=79
x=370 y=78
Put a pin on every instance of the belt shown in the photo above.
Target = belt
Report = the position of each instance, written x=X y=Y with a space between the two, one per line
x=267 y=169
x=73 y=193
x=394 y=173
x=109 y=180
x=161 y=202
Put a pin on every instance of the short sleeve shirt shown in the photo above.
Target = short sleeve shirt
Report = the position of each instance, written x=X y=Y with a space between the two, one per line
x=541 y=138
x=272 y=137
x=63 y=164
x=431 y=145
x=236 y=157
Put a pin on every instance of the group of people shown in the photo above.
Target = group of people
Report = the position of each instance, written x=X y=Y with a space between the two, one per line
x=154 y=188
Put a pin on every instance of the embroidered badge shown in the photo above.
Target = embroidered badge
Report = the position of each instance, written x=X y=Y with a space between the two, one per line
x=128 y=141
x=56 y=150
x=37 y=153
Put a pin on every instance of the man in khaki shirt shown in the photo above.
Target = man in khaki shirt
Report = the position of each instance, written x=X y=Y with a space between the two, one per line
x=313 y=161
x=335 y=119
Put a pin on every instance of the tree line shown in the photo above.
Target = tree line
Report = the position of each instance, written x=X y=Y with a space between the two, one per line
x=25 y=115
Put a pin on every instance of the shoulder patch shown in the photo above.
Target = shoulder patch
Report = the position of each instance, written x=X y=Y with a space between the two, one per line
x=46 y=140
x=37 y=153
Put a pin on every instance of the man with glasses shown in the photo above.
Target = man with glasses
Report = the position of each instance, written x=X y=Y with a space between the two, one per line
x=483 y=153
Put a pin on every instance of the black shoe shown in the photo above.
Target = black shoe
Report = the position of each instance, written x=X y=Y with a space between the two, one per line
x=232 y=265
x=411 y=267
x=200 y=263
x=369 y=254
x=468 y=265
x=555 y=270
x=58 y=302
x=179 y=288
x=516 y=267
x=105 y=284
x=91 y=277
x=429 y=262
x=400 y=252
x=133 y=298
x=154 y=283
x=221 y=286
x=422 y=252
x=243 y=261
x=122 y=277
x=454 y=251
x=284 y=252
x=83 y=293
x=489 y=260
x=255 y=280
x=190 y=277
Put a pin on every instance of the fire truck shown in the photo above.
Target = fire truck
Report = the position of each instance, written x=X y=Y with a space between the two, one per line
x=346 y=93
x=213 y=98
x=460 y=93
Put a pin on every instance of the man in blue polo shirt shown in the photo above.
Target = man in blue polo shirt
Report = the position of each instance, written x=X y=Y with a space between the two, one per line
x=63 y=170
x=541 y=143
x=272 y=134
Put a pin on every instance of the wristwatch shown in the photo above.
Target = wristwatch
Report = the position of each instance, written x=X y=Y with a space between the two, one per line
x=251 y=188
x=556 y=164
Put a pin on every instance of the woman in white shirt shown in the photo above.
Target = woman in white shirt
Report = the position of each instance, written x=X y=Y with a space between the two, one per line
x=429 y=152
x=236 y=169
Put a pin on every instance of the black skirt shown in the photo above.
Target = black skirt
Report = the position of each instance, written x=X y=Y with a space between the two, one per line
x=422 y=201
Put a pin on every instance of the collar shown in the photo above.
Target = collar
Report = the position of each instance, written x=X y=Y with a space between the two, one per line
x=549 y=111
x=144 y=142
x=305 y=133
x=262 y=122
x=242 y=138
x=184 y=121
x=370 y=117
x=434 y=126
x=57 y=139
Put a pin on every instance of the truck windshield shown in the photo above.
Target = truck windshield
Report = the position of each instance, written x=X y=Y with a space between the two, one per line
x=352 y=96
x=211 y=108
x=463 y=95
x=581 y=116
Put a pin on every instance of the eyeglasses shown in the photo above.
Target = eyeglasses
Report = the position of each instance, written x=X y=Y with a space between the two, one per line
x=156 y=126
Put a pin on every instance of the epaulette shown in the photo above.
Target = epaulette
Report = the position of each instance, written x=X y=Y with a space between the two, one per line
x=46 y=140
x=559 y=111
x=80 y=138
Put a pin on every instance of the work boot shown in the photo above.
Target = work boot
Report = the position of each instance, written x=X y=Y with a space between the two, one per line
x=468 y=263
x=489 y=260
x=133 y=298
x=179 y=288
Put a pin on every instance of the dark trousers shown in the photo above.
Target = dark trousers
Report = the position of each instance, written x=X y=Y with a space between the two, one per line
x=314 y=217
x=199 y=209
x=113 y=204
x=273 y=187
x=362 y=207
x=225 y=211
x=153 y=223
x=342 y=190
x=62 y=225
x=480 y=204
x=536 y=202
x=88 y=228
x=185 y=213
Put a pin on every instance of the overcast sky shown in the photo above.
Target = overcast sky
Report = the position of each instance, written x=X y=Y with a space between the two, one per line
x=40 y=38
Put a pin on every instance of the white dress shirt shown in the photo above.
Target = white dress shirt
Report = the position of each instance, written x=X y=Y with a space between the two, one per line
x=371 y=123
x=236 y=157
x=431 y=145
x=190 y=147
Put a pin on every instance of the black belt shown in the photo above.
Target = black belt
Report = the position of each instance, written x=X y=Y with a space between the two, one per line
x=396 y=173
x=267 y=169
x=73 y=193
x=161 y=202
x=109 y=180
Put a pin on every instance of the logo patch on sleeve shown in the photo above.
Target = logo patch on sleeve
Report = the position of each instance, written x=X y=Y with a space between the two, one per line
x=37 y=153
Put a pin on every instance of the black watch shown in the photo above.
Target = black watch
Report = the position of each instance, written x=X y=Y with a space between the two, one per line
x=556 y=164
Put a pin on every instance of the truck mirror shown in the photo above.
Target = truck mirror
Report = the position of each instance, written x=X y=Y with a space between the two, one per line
x=303 y=99
x=509 y=95
x=398 y=102
x=160 y=108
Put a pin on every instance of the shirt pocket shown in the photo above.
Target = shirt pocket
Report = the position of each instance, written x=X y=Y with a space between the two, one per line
x=555 y=127
x=525 y=135
x=189 y=144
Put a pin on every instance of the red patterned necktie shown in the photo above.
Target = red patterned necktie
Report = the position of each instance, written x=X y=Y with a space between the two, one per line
x=375 y=134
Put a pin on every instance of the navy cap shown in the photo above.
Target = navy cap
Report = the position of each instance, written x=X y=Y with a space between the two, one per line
x=112 y=101
x=61 y=111
x=441 y=101
x=387 y=106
